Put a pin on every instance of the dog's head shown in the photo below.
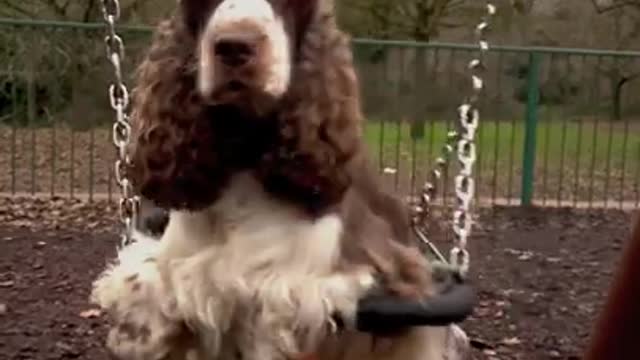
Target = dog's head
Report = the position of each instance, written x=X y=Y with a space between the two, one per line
x=247 y=48
x=261 y=84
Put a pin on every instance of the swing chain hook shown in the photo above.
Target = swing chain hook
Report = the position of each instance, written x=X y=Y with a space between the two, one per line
x=128 y=206
x=462 y=141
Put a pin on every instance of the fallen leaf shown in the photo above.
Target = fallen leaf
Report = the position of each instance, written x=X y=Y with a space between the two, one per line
x=64 y=347
x=90 y=314
x=479 y=344
x=527 y=255
x=511 y=341
x=8 y=283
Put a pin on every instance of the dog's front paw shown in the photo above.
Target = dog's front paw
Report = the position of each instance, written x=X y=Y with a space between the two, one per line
x=155 y=337
x=344 y=291
x=144 y=321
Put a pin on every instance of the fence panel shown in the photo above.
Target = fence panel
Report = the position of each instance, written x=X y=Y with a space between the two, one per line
x=558 y=127
x=54 y=115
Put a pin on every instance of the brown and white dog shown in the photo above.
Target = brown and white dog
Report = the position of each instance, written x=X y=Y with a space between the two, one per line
x=248 y=126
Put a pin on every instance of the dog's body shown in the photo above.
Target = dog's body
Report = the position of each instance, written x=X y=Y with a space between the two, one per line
x=278 y=225
x=248 y=278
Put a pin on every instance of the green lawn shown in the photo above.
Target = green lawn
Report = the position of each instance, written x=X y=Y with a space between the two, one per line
x=562 y=149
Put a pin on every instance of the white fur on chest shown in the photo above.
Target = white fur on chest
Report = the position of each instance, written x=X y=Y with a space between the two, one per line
x=251 y=230
x=252 y=264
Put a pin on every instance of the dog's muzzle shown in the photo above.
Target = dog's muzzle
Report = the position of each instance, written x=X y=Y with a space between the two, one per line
x=244 y=49
x=237 y=50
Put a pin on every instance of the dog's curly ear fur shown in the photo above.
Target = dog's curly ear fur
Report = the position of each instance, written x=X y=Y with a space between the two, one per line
x=320 y=118
x=193 y=13
x=172 y=161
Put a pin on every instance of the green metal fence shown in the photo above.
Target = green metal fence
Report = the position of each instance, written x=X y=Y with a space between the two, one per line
x=559 y=126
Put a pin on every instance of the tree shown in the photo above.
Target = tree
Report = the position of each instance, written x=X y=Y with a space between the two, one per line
x=83 y=10
x=419 y=20
x=47 y=68
x=612 y=24
x=603 y=6
x=625 y=18
x=408 y=19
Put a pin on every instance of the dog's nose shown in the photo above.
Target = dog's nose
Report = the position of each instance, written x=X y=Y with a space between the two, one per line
x=234 y=51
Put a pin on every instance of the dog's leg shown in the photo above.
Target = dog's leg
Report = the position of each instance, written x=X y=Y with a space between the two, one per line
x=433 y=343
x=343 y=291
x=293 y=317
x=425 y=343
x=152 y=220
x=144 y=323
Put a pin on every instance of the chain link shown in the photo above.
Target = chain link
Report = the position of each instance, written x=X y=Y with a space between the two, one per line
x=463 y=142
x=469 y=116
x=128 y=206
x=420 y=207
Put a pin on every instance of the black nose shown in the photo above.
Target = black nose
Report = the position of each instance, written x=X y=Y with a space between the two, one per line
x=234 y=51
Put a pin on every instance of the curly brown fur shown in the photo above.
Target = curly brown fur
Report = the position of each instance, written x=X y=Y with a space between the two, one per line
x=321 y=123
x=174 y=162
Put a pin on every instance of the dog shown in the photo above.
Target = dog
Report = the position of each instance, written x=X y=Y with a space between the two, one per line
x=248 y=127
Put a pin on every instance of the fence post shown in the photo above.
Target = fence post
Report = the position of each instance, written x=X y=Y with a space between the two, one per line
x=531 y=127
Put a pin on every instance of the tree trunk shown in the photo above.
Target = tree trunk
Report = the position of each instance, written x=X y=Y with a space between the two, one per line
x=418 y=98
x=618 y=91
x=617 y=97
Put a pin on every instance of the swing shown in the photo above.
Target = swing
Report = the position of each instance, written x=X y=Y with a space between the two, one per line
x=376 y=313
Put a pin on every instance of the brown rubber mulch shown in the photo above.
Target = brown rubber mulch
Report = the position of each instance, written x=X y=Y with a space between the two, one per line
x=541 y=276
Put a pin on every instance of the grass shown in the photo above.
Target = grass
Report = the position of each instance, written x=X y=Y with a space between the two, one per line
x=496 y=140
x=571 y=157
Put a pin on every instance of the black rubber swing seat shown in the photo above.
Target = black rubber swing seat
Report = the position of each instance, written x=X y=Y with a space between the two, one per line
x=382 y=313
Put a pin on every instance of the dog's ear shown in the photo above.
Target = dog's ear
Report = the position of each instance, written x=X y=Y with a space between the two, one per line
x=195 y=13
x=304 y=12
x=320 y=117
x=173 y=164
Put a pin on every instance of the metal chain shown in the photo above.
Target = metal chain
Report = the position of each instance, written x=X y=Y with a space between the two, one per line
x=429 y=189
x=463 y=139
x=128 y=206
x=421 y=207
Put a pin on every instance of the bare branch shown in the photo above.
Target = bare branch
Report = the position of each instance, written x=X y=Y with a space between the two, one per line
x=453 y=4
x=133 y=6
x=9 y=4
x=58 y=10
x=415 y=19
x=87 y=12
x=615 y=4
